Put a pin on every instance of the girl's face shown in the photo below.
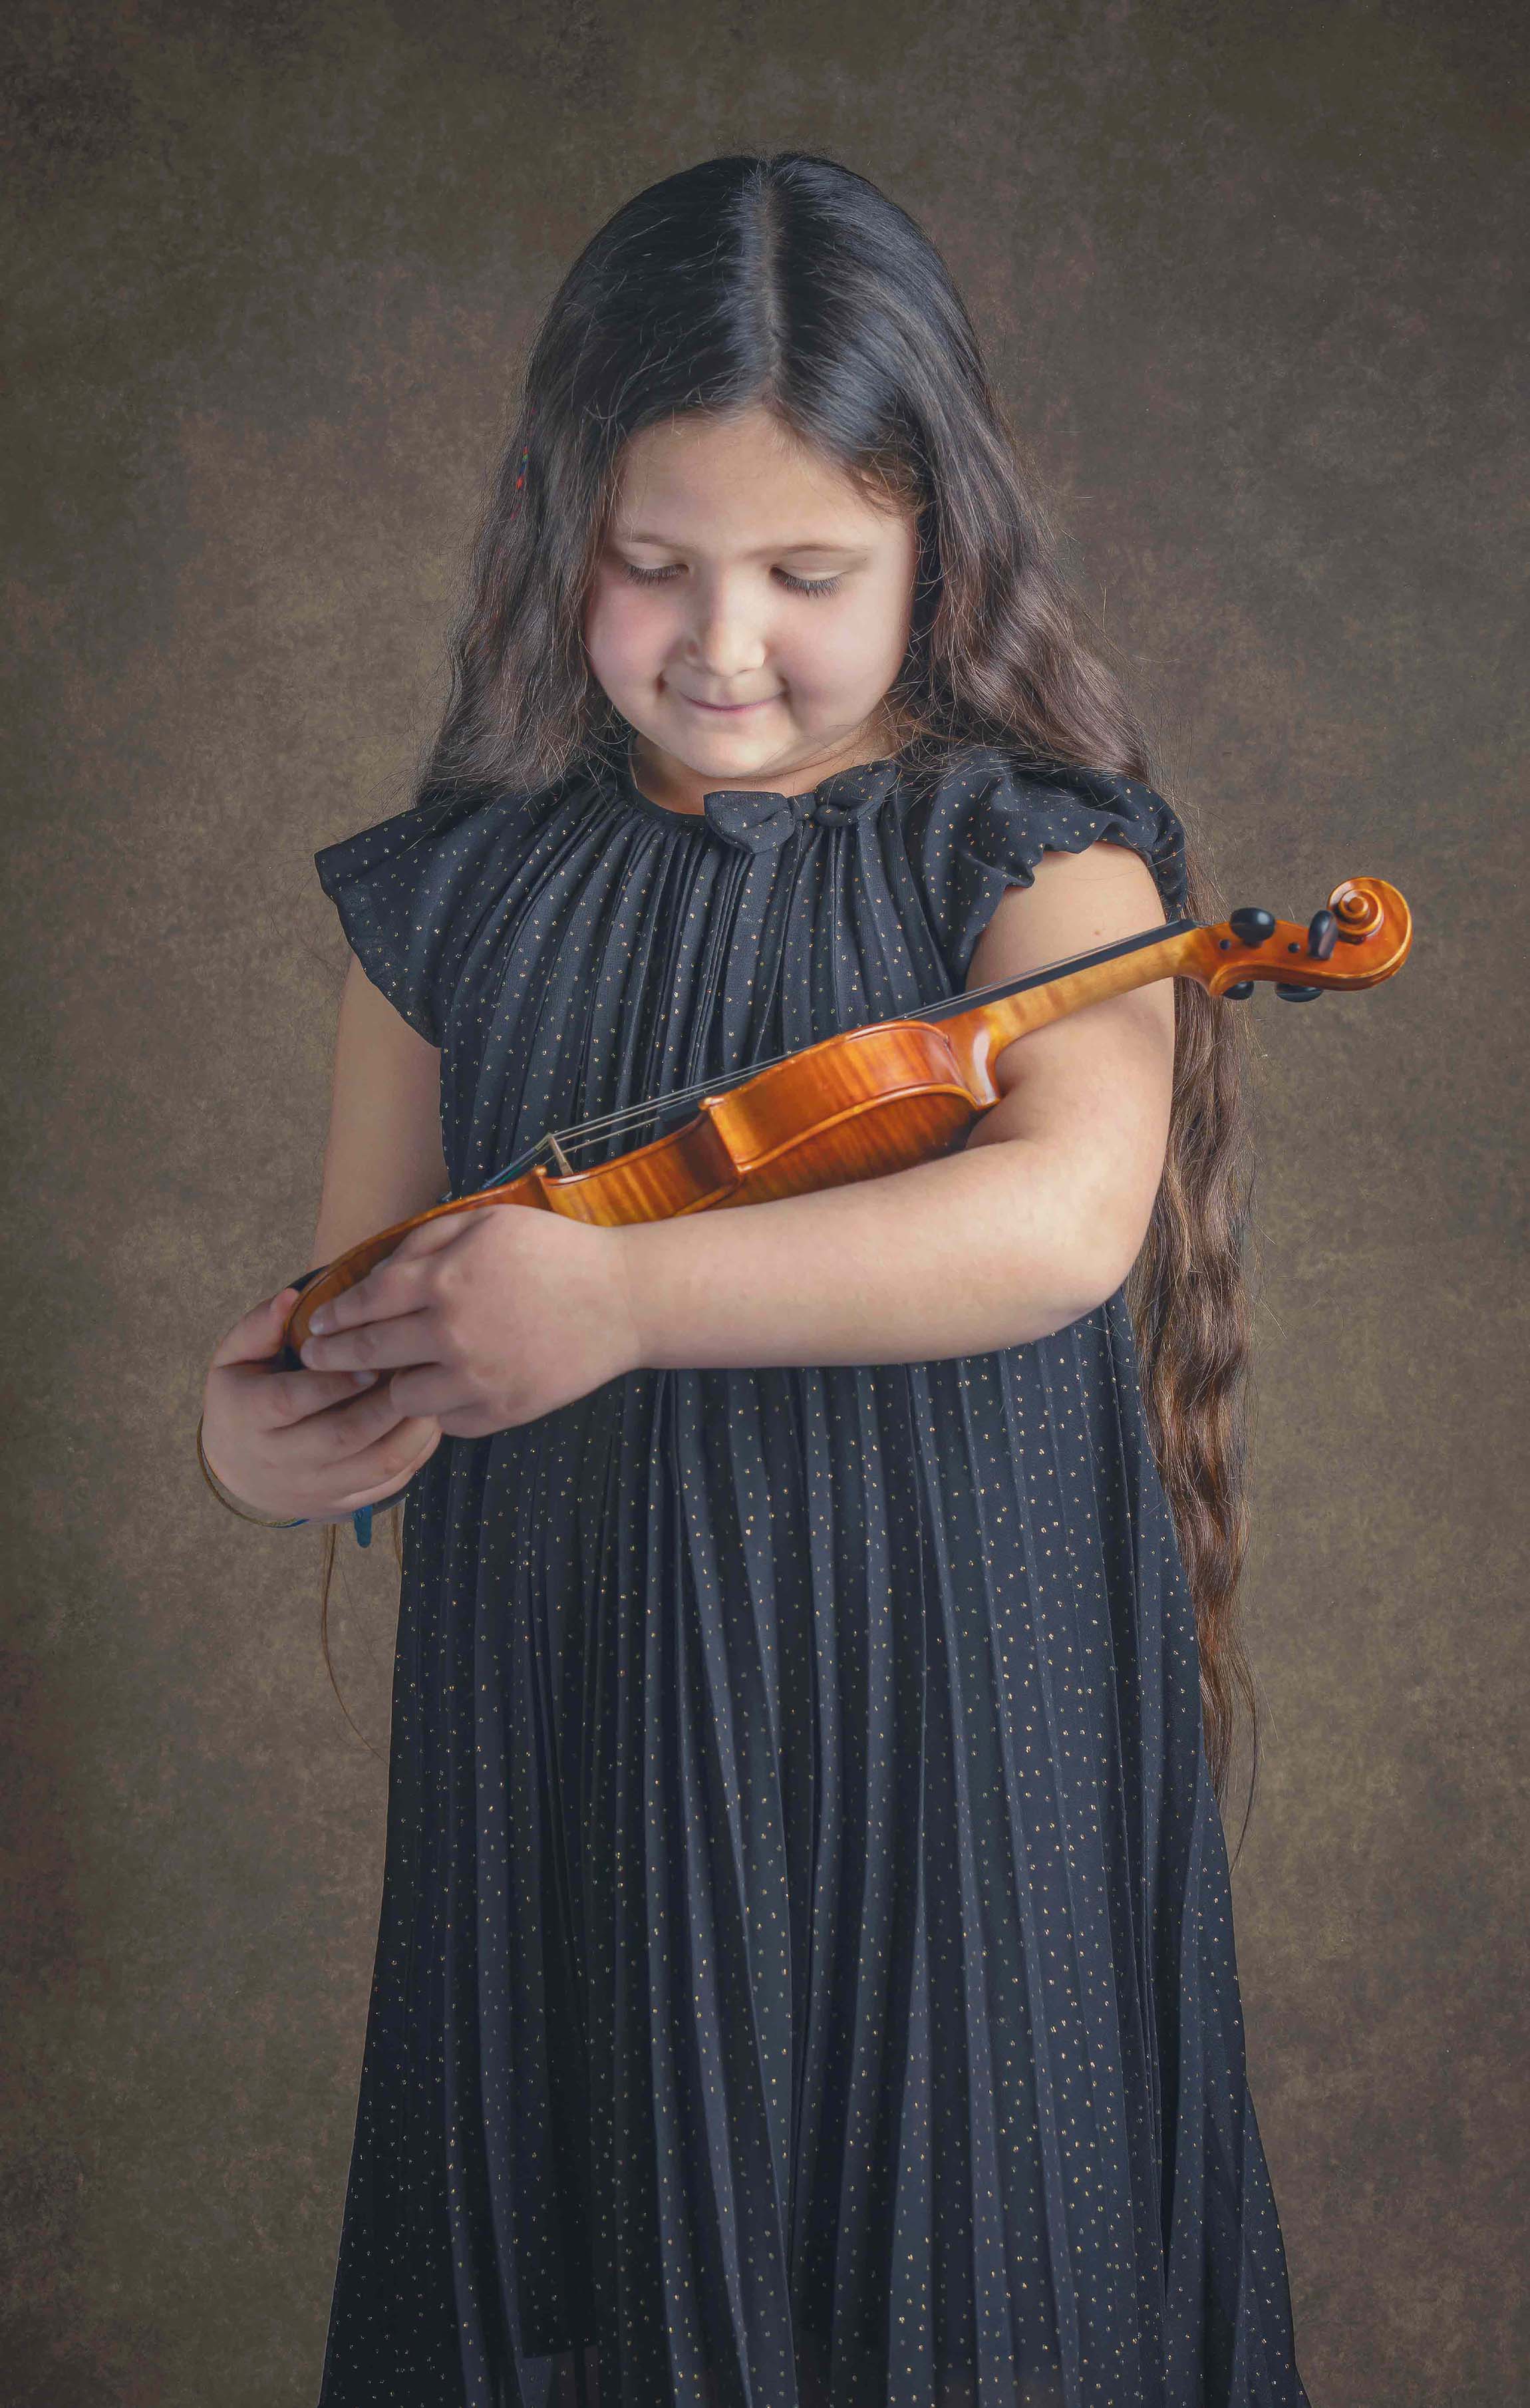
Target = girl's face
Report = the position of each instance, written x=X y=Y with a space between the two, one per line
x=749 y=610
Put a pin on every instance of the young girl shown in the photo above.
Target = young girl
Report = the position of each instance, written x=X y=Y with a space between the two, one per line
x=806 y=1972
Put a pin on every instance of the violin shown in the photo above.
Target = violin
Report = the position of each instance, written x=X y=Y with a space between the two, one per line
x=892 y=1092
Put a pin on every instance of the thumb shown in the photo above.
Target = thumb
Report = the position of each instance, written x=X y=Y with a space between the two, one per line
x=259 y=1334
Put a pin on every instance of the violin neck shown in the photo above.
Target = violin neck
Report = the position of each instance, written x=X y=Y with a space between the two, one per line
x=979 y=1033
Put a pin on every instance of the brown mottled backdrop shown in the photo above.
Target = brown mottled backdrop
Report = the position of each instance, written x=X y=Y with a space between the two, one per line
x=1244 y=272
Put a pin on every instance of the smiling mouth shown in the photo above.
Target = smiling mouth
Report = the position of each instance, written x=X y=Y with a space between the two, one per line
x=725 y=709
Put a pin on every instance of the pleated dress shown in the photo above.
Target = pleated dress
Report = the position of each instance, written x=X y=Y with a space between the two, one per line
x=806 y=1966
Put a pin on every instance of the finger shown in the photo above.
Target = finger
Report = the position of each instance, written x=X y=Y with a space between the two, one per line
x=329 y=1445
x=345 y=1440
x=434 y=1388
x=431 y=1235
x=258 y=1334
x=393 y=1288
x=280 y=1399
x=410 y=1338
x=382 y=1469
x=394 y=1285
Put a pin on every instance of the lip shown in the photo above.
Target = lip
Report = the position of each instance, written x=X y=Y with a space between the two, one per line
x=727 y=710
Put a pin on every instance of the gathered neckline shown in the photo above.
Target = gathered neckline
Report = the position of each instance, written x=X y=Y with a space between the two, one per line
x=839 y=784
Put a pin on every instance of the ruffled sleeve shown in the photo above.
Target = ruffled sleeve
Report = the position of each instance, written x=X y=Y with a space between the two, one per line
x=988 y=822
x=406 y=890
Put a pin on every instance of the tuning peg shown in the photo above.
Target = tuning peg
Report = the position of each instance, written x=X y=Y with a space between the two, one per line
x=1321 y=934
x=1238 y=994
x=1250 y=925
x=1298 y=994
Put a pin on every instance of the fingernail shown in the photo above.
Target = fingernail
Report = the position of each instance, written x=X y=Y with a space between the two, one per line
x=319 y=1321
x=363 y=1379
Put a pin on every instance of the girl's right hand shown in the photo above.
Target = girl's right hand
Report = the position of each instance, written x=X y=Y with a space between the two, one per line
x=308 y=1444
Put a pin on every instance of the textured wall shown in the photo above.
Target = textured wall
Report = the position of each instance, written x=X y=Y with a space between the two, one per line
x=1245 y=274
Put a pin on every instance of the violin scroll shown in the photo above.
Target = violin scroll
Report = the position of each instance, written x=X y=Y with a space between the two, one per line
x=1360 y=936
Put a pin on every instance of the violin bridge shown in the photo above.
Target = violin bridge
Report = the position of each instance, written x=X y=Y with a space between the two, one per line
x=558 y=1156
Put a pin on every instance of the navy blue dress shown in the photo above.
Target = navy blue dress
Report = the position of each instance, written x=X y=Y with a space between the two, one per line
x=806 y=1969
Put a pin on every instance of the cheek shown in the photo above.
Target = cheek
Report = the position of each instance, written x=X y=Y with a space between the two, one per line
x=845 y=651
x=626 y=631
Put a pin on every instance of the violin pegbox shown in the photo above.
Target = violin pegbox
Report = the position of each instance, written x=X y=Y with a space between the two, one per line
x=1357 y=939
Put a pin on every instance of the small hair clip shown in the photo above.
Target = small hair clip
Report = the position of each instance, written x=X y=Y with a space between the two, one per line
x=525 y=455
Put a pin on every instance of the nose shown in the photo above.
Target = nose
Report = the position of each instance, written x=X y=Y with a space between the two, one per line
x=726 y=638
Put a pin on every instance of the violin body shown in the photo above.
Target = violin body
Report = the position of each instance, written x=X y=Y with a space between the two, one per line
x=882 y=1098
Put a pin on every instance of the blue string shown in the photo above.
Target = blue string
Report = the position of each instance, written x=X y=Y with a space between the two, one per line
x=360 y=1521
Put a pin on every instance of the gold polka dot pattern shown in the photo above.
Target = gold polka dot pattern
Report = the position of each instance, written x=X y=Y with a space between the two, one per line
x=806 y=1972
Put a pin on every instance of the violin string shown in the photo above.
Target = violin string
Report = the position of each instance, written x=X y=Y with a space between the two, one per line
x=943 y=1007
x=584 y=1133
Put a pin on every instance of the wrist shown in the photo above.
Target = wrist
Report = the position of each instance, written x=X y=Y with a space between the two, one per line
x=360 y=1517
x=235 y=1502
x=225 y=1487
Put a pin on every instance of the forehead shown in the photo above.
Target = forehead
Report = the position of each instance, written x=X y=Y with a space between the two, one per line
x=745 y=473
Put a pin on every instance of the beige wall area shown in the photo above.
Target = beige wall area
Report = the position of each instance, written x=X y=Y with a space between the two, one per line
x=1246 y=275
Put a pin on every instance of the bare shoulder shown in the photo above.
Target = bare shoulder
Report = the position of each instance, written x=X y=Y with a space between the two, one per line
x=383 y=1160
x=1101 y=1077
x=1077 y=900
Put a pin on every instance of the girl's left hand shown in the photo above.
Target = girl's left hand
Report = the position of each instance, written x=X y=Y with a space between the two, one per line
x=486 y=1319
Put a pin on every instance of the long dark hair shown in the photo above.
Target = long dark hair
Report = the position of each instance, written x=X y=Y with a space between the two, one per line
x=791 y=284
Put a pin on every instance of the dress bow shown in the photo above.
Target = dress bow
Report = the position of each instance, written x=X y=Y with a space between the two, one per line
x=755 y=821
x=758 y=822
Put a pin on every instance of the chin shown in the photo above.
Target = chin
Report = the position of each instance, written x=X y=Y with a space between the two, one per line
x=701 y=745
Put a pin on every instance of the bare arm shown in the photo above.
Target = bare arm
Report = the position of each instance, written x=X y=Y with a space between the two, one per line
x=1032 y=1224
x=306 y=1444
x=383 y=1157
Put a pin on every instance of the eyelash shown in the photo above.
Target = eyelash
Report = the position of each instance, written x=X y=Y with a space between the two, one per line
x=797 y=584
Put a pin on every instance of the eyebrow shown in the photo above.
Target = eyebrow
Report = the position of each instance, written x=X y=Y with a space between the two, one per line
x=767 y=550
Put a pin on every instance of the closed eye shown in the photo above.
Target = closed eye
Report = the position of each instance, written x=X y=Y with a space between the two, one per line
x=797 y=584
